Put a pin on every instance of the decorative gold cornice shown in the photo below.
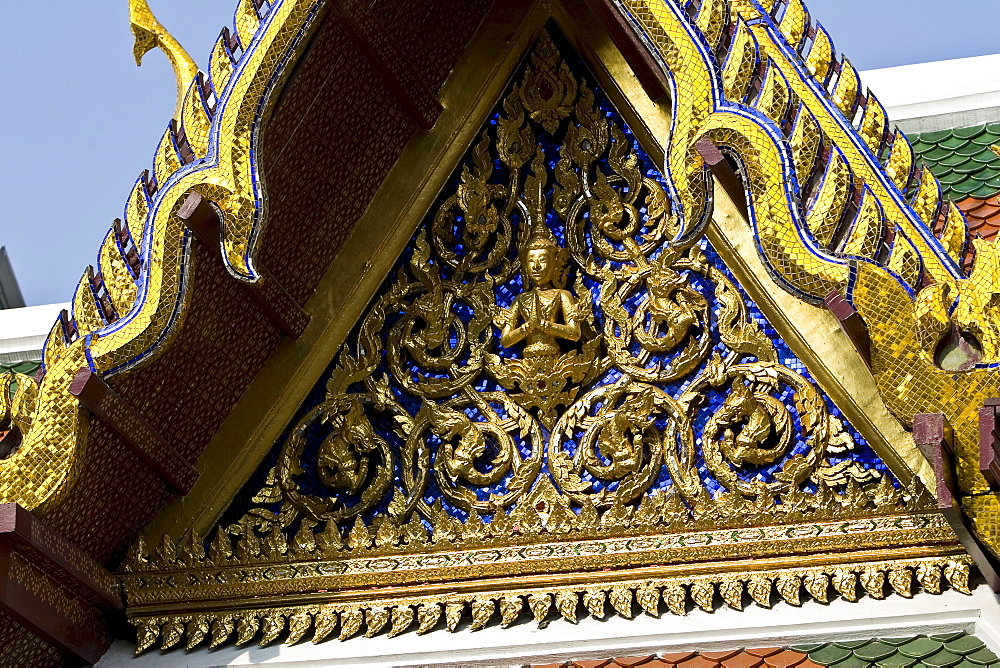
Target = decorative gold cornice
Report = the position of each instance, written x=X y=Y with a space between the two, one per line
x=393 y=612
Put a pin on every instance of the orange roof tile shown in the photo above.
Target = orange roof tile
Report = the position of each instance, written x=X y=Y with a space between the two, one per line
x=774 y=657
x=784 y=659
x=698 y=661
x=630 y=661
x=742 y=660
x=982 y=214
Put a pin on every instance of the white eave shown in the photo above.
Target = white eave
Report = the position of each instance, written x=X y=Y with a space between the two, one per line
x=940 y=95
x=23 y=331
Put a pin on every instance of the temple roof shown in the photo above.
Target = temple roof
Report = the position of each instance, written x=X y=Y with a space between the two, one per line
x=934 y=651
x=968 y=171
x=316 y=370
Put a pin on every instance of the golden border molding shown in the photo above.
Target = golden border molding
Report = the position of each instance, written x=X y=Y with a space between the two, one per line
x=247 y=620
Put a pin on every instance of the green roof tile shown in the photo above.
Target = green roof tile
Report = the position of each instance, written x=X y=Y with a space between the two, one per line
x=830 y=655
x=951 y=159
x=27 y=368
x=970 y=132
x=962 y=159
x=983 y=191
x=968 y=149
x=964 y=644
x=934 y=137
x=918 y=648
x=874 y=651
x=942 y=650
x=942 y=659
x=983 y=657
x=938 y=153
x=950 y=179
x=950 y=143
x=850 y=662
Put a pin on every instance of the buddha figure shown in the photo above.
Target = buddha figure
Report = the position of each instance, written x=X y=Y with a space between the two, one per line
x=547 y=312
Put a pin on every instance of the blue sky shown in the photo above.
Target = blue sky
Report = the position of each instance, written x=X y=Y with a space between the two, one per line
x=79 y=120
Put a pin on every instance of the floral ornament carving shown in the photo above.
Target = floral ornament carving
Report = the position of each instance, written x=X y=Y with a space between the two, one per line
x=547 y=314
x=547 y=354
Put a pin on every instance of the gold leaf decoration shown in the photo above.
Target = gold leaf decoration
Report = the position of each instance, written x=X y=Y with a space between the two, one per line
x=222 y=628
x=675 y=597
x=326 y=622
x=428 y=615
x=649 y=598
x=817 y=583
x=197 y=631
x=731 y=590
x=540 y=604
x=148 y=633
x=299 y=624
x=759 y=588
x=901 y=581
x=702 y=592
x=593 y=600
x=350 y=622
x=873 y=580
x=846 y=583
x=566 y=604
x=402 y=619
x=482 y=610
x=788 y=585
x=271 y=627
x=929 y=577
x=171 y=633
x=375 y=620
x=510 y=609
x=246 y=628
x=621 y=601
x=957 y=573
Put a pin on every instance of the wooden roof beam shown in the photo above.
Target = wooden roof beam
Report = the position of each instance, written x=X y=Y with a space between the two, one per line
x=201 y=217
x=111 y=407
x=419 y=102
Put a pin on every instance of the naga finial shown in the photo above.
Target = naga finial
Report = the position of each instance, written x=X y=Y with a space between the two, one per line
x=149 y=34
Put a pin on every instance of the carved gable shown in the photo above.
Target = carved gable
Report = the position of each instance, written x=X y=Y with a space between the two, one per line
x=559 y=398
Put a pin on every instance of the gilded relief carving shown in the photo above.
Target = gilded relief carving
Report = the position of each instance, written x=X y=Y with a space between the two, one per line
x=555 y=364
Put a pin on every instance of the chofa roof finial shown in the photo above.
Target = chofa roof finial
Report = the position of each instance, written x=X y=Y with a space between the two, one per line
x=149 y=34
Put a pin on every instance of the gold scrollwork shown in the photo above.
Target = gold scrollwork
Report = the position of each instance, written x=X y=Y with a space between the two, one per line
x=618 y=424
x=345 y=458
x=464 y=443
x=489 y=295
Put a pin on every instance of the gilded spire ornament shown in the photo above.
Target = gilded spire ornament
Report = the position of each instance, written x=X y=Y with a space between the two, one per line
x=149 y=34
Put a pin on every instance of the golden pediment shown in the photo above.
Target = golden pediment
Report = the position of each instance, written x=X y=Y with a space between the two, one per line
x=560 y=397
